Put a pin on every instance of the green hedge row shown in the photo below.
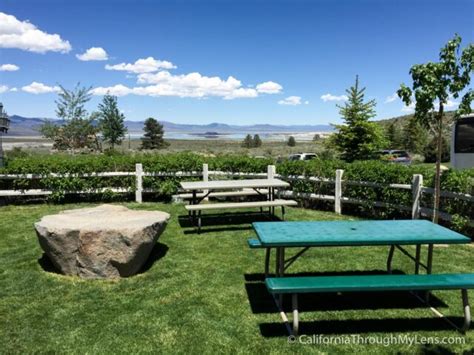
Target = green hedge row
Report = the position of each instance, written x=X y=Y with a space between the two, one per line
x=370 y=171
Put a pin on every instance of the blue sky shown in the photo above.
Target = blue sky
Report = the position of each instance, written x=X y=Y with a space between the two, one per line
x=239 y=62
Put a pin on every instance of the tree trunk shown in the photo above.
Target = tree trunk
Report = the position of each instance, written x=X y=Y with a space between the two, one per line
x=438 y=165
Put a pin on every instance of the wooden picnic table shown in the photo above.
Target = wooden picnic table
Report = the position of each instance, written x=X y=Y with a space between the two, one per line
x=233 y=184
x=393 y=233
x=208 y=186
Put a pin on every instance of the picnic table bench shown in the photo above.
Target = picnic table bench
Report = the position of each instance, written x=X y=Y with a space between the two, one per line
x=371 y=283
x=394 y=234
x=260 y=187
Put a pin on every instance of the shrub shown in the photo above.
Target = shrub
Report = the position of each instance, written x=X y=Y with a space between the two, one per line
x=165 y=186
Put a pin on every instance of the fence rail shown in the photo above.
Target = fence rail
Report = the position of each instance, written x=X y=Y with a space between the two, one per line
x=416 y=187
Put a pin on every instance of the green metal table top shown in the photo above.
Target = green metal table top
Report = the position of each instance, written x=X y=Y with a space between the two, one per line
x=346 y=233
x=310 y=284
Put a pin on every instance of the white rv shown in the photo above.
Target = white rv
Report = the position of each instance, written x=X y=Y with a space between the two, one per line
x=462 y=143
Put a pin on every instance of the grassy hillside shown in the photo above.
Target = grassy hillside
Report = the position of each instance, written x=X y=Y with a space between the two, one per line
x=403 y=120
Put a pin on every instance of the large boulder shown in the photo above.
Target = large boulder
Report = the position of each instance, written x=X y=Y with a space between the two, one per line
x=107 y=241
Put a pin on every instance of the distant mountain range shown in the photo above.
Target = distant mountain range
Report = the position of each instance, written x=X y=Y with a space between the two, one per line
x=28 y=126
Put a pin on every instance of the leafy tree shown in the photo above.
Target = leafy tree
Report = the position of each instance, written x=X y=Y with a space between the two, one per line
x=247 y=142
x=111 y=121
x=49 y=129
x=257 y=142
x=317 y=138
x=78 y=129
x=415 y=137
x=434 y=83
x=291 y=141
x=70 y=103
x=358 y=138
x=430 y=150
x=153 y=137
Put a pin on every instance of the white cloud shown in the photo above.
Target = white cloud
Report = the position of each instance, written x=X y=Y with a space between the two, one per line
x=269 y=87
x=39 y=88
x=409 y=108
x=391 y=98
x=330 y=97
x=93 y=53
x=14 y=89
x=9 y=67
x=291 y=101
x=117 y=90
x=3 y=88
x=451 y=104
x=26 y=36
x=306 y=102
x=144 y=65
x=195 y=85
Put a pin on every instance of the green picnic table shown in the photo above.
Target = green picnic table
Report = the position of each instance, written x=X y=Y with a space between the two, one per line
x=393 y=233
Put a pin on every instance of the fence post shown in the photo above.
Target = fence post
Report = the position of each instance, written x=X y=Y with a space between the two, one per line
x=416 y=189
x=271 y=171
x=338 y=191
x=205 y=178
x=139 y=182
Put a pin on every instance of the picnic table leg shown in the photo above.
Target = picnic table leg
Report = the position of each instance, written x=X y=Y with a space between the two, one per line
x=277 y=262
x=193 y=202
x=417 y=259
x=267 y=261
x=280 y=268
x=282 y=262
x=296 y=321
x=269 y=198
x=199 y=222
x=389 y=259
x=429 y=264
x=429 y=268
x=273 y=199
x=467 y=311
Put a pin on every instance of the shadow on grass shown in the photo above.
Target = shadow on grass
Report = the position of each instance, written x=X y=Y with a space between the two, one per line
x=358 y=326
x=222 y=222
x=158 y=252
x=47 y=265
x=261 y=300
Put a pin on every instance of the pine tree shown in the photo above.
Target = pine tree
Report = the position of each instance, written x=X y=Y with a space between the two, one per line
x=153 y=137
x=291 y=141
x=358 y=138
x=247 y=142
x=257 y=142
x=394 y=136
x=415 y=137
x=111 y=121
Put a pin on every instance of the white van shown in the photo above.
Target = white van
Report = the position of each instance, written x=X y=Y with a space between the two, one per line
x=462 y=143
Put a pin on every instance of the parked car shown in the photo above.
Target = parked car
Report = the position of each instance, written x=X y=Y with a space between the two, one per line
x=395 y=156
x=302 y=156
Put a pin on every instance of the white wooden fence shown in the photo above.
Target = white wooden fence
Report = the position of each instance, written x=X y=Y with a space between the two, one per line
x=416 y=187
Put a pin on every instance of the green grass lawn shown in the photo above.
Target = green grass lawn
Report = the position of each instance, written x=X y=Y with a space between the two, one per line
x=204 y=294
